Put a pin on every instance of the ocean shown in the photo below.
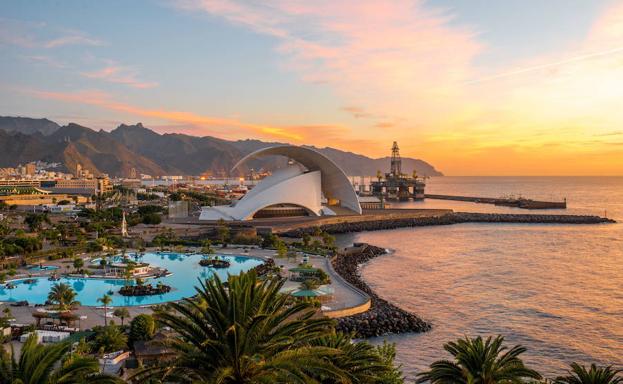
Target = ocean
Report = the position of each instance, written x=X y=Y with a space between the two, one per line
x=555 y=289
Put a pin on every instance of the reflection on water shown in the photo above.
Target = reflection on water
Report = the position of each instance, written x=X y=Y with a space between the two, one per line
x=557 y=289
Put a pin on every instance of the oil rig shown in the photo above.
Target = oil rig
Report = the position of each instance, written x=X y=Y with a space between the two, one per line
x=396 y=185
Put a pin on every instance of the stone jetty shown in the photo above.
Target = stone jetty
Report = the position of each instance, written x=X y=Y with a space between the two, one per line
x=382 y=317
x=347 y=226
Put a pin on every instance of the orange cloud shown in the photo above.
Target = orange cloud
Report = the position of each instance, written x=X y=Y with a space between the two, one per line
x=195 y=124
x=403 y=65
x=105 y=101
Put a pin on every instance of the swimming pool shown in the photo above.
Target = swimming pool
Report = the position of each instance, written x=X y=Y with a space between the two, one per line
x=42 y=267
x=185 y=270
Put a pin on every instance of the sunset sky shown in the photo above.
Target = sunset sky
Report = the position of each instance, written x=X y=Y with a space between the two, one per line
x=475 y=87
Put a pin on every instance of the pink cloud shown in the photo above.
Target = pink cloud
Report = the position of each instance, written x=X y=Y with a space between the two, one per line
x=120 y=75
x=29 y=35
x=74 y=38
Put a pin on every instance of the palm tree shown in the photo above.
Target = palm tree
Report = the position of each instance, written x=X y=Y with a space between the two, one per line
x=479 y=361
x=64 y=295
x=361 y=362
x=206 y=248
x=50 y=364
x=121 y=313
x=110 y=339
x=595 y=375
x=105 y=300
x=245 y=334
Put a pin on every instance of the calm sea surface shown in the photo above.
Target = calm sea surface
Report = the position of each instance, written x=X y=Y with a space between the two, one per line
x=556 y=289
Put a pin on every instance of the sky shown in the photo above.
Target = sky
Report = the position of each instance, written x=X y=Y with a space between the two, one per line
x=474 y=87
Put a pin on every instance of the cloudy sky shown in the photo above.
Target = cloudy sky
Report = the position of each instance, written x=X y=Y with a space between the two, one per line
x=475 y=87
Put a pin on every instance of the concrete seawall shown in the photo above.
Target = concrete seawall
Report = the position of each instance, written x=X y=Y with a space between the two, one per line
x=402 y=221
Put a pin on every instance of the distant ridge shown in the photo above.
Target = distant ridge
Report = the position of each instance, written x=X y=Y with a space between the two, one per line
x=136 y=147
x=27 y=125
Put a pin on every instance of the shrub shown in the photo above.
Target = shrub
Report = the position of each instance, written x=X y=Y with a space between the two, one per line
x=142 y=327
x=151 y=219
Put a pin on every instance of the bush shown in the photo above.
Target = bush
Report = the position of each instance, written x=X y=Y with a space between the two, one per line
x=246 y=240
x=94 y=246
x=147 y=209
x=142 y=328
x=151 y=219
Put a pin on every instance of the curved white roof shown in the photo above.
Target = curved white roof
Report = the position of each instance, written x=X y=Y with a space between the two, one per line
x=335 y=183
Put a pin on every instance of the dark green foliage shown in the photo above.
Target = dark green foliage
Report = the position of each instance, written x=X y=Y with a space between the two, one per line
x=109 y=339
x=151 y=219
x=36 y=220
x=50 y=364
x=244 y=335
x=142 y=328
x=19 y=245
x=94 y=246
x=361 y=362
x=479 y=361
x=269 y=241
x=147 y=209
x=250 y=333
x=594 y=375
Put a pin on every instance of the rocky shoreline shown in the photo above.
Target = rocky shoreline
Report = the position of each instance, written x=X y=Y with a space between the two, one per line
x=382 y=317
x=448 y=219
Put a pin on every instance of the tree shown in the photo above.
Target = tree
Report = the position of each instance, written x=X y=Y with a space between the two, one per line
x=78 y=263
x=158 y=242
x=306 y=240
x=35 y=221
x=594 y=375
x=50 y=364
x=282 y=250
x=110 y=339
x=269 y=241
x=206 y=247
x=152 y=219
x=310 y=284
x=392 y=375
x=481 y=361
x=63 y=295
x=142 y=328
x=223 y=233
x=121 y=313
x=105 y=300
x=361 y=362
x=245 y=334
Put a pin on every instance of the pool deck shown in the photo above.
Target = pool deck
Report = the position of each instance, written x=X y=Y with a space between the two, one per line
x=344 y=296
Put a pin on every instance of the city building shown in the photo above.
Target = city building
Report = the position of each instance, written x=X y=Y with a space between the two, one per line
x=31 y=169
x=311 y=184
x=31 y=196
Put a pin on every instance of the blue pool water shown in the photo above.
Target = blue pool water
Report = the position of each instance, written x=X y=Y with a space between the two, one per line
x=185 y=270
x=42 y=267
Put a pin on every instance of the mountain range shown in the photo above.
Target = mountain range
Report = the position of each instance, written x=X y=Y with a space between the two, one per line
x=136 y=147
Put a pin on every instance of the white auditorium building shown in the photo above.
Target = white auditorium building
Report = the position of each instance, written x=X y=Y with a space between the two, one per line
x=310 y=183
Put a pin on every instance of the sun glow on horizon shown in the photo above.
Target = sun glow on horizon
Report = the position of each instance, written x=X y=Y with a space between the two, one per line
x=352 y=75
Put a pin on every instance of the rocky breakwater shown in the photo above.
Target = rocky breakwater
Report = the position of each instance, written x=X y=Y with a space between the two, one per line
x=469 y=217
x=447 y=219
x=382 y=317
